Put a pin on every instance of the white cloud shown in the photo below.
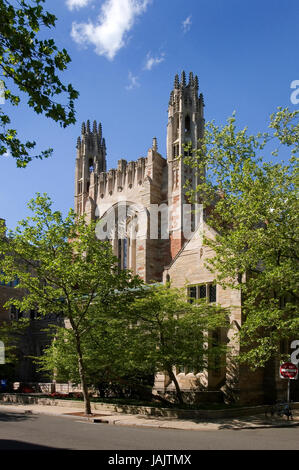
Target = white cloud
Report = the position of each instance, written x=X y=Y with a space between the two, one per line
x=72 y=4
x=152 y=61
x=108 y=33
x=133 y=82
x=186 y=24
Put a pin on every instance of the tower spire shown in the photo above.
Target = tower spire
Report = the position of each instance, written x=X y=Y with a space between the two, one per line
x=90 y=162
x=185 y=128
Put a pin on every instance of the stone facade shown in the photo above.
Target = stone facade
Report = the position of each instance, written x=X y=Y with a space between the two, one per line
x=133 y=188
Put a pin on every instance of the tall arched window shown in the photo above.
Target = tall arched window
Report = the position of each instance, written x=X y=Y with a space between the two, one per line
x=126 y=230
x=187 y=123
x=90 y=165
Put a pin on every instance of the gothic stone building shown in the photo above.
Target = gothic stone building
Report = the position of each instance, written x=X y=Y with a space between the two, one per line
x=156 y=181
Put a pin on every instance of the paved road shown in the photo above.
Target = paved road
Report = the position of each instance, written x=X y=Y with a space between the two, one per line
x=21 y=431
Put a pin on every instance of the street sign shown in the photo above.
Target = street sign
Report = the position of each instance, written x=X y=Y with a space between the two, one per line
x=288 y=370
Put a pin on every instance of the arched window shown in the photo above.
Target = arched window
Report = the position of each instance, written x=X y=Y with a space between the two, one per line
x=187 y=123
x=90 y=165
x=176 y=126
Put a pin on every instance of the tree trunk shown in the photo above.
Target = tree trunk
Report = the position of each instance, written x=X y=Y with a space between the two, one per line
x=82 y=378
x=176 y=384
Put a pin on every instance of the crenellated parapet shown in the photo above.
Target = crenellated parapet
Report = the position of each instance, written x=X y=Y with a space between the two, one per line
x=126 y=176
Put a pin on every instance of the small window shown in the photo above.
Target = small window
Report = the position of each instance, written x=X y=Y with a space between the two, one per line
x=90 y=164
x=212 y=293
x=187 y=123
x=202 y=291
x=192 y=294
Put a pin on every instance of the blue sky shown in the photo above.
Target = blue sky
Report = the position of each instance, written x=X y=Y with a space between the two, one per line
x=125 y=54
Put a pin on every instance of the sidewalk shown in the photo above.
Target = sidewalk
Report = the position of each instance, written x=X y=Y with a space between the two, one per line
x=121 y=419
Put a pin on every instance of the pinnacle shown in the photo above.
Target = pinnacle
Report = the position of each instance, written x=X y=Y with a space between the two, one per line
x=181 y=83
x=88 y=126
x=94 y=129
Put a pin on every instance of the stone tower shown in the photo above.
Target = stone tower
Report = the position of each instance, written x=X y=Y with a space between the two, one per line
x=90 y=162
x=185 y=126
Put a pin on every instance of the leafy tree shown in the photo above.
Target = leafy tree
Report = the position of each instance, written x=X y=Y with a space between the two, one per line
x=67 y=273
x=11 y=333
x=32 y=64
x=158 y=331
x=167 y=332
x=107 y=350
x=252 y=203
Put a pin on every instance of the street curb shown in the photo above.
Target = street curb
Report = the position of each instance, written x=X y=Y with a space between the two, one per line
x=231 y=413
x=221 y=427
x=210 y=426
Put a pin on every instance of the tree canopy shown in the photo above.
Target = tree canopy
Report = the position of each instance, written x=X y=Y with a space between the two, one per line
x=66 y=272
x=157 y=331
x=252 y=202
x=170 y=332
x=31 y=63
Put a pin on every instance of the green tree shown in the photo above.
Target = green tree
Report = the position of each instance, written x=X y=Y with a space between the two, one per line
x=252 y=203
x=31 y=63
x=157 y=331
x=107 y=351
x=169 y=332
x=66 y=272
x=11 y=333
